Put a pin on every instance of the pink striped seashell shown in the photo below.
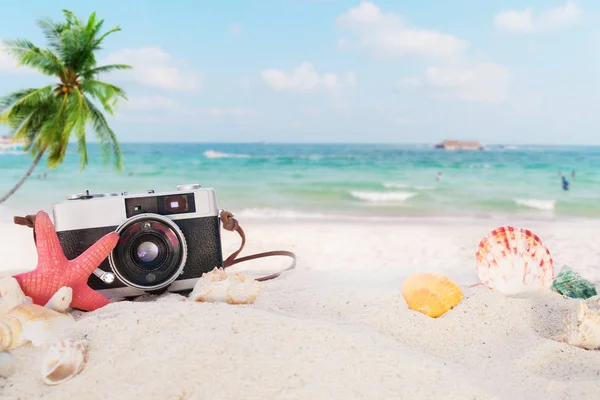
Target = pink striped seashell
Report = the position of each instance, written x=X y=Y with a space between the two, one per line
x=514 y=260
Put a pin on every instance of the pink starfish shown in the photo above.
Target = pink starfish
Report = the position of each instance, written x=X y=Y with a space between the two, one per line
x=54 y=270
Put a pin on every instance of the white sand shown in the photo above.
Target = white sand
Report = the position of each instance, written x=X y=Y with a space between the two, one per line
x=335 y=328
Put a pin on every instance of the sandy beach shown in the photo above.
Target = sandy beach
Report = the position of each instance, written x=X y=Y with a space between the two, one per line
x=337 y=327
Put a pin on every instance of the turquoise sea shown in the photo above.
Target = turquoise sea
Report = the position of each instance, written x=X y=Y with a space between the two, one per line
x=331 y=180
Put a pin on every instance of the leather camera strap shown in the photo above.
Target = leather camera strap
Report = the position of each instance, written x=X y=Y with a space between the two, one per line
x=229 y=223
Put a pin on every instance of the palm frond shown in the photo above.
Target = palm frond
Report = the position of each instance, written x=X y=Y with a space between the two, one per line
x=91 y=73
x=106 y=135
x=27 y=54
x=30 y=100
x=52 y=31
x=105 y=93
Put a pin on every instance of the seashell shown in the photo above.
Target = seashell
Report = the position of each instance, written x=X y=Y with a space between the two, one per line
x=12 y=295
x=593 y=303
x=582 y=328
x=61 y=300
x=32 y=323
x=431 y=294
x=218 y=286
x=7 y=364
x=64 y=360
x=514 y=260
x=569 y=283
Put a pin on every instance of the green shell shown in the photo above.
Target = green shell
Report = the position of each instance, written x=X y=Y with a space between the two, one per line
x=569 y=283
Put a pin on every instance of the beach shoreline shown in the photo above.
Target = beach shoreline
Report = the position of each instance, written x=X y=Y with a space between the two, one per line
x=404 y=241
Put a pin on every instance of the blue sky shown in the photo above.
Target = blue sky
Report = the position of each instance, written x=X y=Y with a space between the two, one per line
x=343 y=71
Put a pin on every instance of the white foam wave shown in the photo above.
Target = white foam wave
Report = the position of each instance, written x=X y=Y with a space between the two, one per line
x=391 y=185
x=544 y=205
x=382 y=197
x=217 y=154
x=396 y=185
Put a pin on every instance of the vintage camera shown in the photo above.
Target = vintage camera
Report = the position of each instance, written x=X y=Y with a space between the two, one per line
x=166 y=240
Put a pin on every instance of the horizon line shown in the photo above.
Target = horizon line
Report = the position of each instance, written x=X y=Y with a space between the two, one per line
x=342 y=143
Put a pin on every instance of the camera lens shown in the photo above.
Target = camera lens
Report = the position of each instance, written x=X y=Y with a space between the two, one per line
x=147 y=252
x=150 y=253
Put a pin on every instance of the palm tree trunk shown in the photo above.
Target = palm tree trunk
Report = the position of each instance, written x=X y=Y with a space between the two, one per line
x=24 y=178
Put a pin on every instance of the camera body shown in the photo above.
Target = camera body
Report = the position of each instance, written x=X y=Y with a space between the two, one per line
x=166 y=240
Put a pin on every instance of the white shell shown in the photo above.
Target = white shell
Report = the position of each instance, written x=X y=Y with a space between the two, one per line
x=582 y=328
x=12 y=295
x=63 y=361
x=61 y=300
x=513 y=261
x=32 y=323
x=218 y=286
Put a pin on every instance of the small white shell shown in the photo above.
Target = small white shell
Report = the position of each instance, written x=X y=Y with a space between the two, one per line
x=582 y=328
x=12 y=295
x=63 y=361
x=61 y=300
x=32 y=323
x=218 y=286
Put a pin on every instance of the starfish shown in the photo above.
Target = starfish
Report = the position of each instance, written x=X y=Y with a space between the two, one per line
x=54 y=270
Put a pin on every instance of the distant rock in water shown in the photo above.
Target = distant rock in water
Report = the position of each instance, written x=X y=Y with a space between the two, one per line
x=459 y=145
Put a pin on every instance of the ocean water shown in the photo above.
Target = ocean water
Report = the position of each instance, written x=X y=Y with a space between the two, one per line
x=332 y=180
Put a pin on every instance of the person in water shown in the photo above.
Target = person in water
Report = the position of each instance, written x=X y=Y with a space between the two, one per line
x=565 y=183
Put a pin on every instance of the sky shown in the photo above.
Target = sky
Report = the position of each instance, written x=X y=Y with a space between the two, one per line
x=418 y=71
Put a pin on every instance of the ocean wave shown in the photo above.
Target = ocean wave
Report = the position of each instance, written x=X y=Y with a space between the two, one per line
x=217 y=154
x=479 y=166
x=273 y=213
x=382 y=197
x=391 y=185
x=544 y=205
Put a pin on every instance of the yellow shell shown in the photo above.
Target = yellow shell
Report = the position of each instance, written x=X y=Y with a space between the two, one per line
x=431 y=294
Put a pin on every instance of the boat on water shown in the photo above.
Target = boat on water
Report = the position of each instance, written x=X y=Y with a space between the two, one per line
x=8 y=145
x=459 y=145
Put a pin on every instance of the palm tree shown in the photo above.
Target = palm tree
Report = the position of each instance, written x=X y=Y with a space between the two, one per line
x=47 y=117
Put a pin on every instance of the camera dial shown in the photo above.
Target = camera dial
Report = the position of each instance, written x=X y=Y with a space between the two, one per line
x=189 y=186
x=105 y=194
x=151 y=252
x=80 y=196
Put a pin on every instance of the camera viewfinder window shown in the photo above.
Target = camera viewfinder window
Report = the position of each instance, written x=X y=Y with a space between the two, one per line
x=177 y=204
x=140 y=205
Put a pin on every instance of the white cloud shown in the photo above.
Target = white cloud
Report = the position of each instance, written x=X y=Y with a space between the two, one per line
x=304 y=78
x=151 y=103
x=7 y=63
x=524 y=21
x=235 y=30
x=482 y=82
x=387 y=34
x=143 y=108
x=154 y=67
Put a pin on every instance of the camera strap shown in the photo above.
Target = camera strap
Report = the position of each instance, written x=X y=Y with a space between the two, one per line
x=230 y=224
